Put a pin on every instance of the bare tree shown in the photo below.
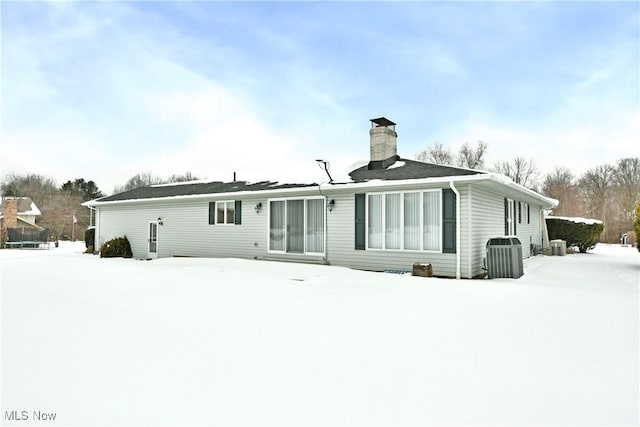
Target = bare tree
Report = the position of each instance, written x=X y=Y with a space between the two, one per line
x=139 y=180
x=38 y=187
x=187 y=176
x=472 y=158
x=145 y=179
x=627 y=178
x=560 y=184
x=520 y=170
x=437 y=154
x=596 y=187
x=467 y=157
x=58 y=216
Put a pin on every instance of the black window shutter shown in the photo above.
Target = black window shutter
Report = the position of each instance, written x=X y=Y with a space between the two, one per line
x=519 y=212
x=360 y=221
x=212 y=213
x=238 y=212
x=448 y=221
x=528 y=214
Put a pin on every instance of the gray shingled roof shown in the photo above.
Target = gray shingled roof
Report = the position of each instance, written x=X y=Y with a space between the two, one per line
x=24 y=204
x=411 y=169
x=198 y=188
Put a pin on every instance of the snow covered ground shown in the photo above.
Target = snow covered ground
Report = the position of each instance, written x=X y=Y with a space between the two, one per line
x=224 y=341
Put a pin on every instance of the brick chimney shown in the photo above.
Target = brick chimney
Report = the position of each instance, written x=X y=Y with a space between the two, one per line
x=383 y=143
x=9 y=213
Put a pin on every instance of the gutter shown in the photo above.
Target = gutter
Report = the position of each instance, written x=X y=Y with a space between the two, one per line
x=458 y=249
x=200 y=196
x=497 y=178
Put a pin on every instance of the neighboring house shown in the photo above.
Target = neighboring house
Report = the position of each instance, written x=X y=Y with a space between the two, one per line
x=19 y=212
x=394 y=212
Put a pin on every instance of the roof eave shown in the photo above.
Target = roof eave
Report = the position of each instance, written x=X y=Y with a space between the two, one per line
x=98 y=203
x=546 y=202
x=324 y=188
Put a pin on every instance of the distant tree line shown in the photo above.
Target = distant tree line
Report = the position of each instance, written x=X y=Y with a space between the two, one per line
x=608 y=192
x=60 y=204
x=147 y=178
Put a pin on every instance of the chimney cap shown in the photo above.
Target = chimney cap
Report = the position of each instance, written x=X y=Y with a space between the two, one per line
x=382 y=121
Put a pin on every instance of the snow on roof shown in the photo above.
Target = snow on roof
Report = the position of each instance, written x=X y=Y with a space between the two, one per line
x=577 y=220
x=33 y=210
x=397 y=164
x=25 y=205
x=357 y=165
x=195 y=181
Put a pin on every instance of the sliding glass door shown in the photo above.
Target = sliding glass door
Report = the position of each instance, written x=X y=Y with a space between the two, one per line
x=297 y=226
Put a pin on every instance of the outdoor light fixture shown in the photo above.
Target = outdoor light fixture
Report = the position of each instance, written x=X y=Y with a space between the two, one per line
x=332 y=204
x=258 y=207
x=160 y=221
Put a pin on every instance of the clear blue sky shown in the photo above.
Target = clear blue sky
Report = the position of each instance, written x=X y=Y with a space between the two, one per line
x=103 y=91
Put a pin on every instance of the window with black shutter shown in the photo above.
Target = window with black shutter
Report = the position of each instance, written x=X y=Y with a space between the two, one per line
x=227 y=212
x=448 y=221
x=360 y=221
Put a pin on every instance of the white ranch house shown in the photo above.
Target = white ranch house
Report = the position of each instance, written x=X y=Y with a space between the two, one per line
x=392 y=213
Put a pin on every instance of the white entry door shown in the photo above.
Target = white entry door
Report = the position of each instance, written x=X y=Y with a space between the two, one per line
x=153 y=239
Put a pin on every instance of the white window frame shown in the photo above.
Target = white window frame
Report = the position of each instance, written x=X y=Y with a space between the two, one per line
x=512 y=217
x=304 y=199
x=226 y=219
x=421 y=203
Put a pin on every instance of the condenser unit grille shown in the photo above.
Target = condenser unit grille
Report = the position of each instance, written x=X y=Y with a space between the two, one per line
x=504 y=261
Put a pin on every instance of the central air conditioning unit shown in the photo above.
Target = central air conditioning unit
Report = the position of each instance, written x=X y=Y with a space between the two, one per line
x=504 y=258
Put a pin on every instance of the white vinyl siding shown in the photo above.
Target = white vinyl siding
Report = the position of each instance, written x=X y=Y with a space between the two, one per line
x=488 y=221
x=185 y=229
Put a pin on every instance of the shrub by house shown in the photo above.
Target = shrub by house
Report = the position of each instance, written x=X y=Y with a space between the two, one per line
x=118 y=247
x=89 y=236
x=581 y=232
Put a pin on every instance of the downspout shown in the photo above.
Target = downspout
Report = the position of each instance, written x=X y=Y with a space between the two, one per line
x=469 y=231
x=458 y=258
x=96 y=232
x=326 y=225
